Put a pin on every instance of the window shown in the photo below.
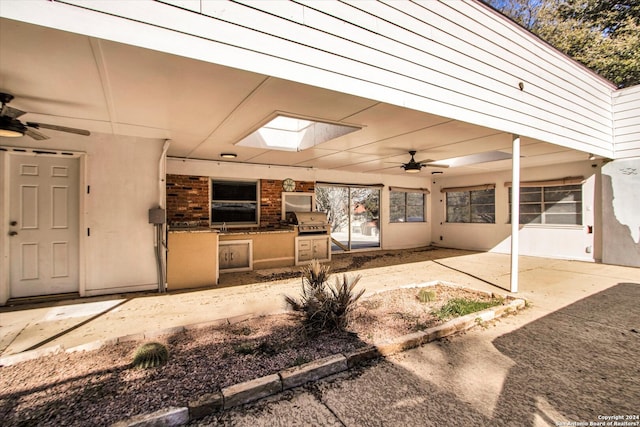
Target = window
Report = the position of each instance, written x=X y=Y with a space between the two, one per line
x=550 y=205
x=475 y=206
x=406 y=206
x=234 y=202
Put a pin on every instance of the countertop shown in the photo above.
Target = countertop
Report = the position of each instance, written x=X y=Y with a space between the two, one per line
x=253 y=230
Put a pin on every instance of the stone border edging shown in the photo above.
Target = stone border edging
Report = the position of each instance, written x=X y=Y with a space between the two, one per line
x=258 y=388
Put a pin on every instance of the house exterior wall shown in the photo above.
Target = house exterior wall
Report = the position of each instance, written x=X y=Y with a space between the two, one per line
x=626 y=109
x=118 y=245
x=556 y=241
x=393 y=235
x=621 y=222
x=459 y=59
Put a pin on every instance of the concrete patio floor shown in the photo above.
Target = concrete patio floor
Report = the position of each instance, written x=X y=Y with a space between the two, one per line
x=549 y=284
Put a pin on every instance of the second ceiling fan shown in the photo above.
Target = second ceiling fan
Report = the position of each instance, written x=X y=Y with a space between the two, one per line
x=413 y=166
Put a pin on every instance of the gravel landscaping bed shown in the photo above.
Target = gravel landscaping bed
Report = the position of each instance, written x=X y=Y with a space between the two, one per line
x=100 y=387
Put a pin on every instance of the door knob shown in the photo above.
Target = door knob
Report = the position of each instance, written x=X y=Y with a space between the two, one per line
x=13 y=233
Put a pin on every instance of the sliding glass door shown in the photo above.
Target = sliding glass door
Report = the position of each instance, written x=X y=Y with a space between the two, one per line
x=353 y=213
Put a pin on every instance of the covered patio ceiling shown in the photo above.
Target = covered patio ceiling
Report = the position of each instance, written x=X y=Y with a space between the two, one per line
x=205 y=109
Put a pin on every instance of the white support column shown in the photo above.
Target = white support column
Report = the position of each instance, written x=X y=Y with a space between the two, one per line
x=515 y=211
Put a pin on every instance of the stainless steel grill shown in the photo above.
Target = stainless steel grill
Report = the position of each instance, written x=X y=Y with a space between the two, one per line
x=309 y=222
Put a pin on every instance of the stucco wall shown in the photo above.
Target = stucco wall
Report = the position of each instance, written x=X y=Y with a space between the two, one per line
x=123 y=175
x=620 y=212
x=117 y=247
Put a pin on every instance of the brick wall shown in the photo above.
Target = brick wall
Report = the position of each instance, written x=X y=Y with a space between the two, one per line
x=188 y=200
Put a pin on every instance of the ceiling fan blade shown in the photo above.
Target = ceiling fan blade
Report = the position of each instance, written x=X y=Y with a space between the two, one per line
x=35 y=134
x=425 y=161
x=14 y=113
x=58 y=128
x=436 y=165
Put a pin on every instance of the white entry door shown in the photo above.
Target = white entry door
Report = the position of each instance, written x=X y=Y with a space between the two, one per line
x=43 y=225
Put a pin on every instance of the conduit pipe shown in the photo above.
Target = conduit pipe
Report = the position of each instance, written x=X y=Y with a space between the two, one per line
x=159 y=241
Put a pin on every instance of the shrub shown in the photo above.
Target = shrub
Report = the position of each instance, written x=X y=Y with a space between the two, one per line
x=150 y=355
x=325 y=307
x=244 y=348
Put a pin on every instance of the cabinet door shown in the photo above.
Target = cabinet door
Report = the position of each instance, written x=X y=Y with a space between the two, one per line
x=235 y=255
x=238 y=256
x=321 y=248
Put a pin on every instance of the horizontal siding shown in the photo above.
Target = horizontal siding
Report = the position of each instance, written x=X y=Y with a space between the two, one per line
x=626 y=114
x=456 y=59
x=446 y=66
x=561 y=89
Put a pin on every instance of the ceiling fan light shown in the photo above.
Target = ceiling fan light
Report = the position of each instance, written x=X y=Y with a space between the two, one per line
x=10 y=130
x=10 y=133
x=409 y=169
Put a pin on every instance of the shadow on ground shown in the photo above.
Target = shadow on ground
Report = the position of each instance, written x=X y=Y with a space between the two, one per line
x=577 y=363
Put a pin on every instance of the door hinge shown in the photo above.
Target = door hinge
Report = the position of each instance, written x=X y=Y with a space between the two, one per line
x=88 y=189
x=88 y=232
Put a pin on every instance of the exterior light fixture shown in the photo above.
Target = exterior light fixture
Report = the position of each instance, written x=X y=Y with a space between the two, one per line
x=228 y=155
x=592 y=156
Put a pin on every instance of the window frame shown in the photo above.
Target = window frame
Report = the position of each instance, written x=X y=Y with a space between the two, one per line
x=406 y=192
x=545 y=205
x=234 y=224
x=469 y=191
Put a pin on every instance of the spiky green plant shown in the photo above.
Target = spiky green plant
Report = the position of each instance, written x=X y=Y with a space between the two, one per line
x=325 y=307
x=316 y=274
x=150 y=355
x=425 y=296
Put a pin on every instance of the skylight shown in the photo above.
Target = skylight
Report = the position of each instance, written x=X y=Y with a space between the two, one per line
x=294 y=134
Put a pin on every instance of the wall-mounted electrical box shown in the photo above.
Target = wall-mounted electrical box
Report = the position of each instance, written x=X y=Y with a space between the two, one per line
x=157 y=216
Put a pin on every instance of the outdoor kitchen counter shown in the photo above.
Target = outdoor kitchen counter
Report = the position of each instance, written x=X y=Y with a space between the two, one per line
x=192 y=258
x=270 y=247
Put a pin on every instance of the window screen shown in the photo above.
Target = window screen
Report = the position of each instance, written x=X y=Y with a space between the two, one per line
x=475 y=206
x=406 y=206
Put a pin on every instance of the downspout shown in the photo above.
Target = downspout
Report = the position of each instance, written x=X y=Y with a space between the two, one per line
x=515 y=212
x=160 y=243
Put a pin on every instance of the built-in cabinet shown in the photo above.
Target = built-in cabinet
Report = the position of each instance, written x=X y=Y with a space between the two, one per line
x=235 y=255
x=312 y=247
